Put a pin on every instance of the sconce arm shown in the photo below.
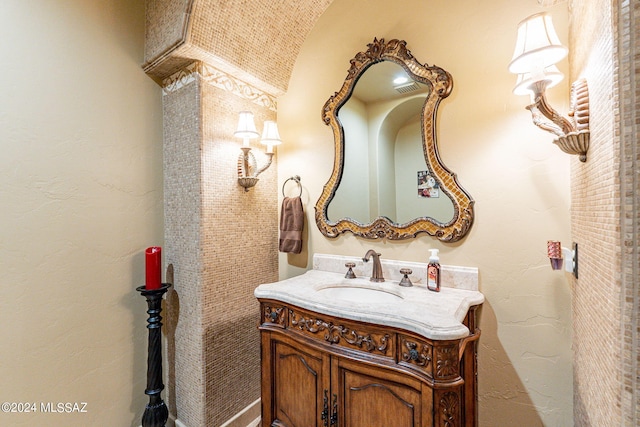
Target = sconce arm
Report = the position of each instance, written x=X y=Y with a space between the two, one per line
x=264 y=168
x=562 y=125
x=540 y=120
x=247 y=168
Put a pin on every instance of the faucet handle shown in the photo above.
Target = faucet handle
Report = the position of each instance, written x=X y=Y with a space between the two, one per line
x=350 y=274
x=405 y=280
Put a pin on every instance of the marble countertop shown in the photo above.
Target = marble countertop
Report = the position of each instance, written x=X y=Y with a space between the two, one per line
x=434 y=315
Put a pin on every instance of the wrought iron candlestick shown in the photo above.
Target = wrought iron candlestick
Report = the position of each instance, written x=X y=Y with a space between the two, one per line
x=156 y=412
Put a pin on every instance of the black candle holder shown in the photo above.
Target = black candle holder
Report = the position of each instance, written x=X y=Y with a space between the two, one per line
x=156 y=412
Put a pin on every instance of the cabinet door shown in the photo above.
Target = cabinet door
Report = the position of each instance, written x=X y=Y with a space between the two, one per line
x=376 y=397
x=299 y=380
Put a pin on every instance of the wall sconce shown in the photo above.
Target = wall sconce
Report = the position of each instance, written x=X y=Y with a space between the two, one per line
x=248 y=170
x=537 y=51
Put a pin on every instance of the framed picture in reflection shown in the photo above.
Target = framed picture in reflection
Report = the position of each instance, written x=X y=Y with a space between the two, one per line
x=427 y=185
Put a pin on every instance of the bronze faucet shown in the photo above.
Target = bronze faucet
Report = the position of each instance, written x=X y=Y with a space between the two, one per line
x=376 y=274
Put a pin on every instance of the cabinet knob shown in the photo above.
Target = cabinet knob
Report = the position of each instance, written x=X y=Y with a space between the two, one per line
x=413 y=354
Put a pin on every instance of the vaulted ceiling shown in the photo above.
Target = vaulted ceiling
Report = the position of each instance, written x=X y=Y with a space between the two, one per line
x=257 y=41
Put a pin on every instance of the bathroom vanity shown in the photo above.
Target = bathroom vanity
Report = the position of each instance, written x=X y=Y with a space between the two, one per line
x=349 y=350
x=354 y=353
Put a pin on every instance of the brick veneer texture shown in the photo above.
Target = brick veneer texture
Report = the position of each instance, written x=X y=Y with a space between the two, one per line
x=256 y=48
x=628 y=12
x=240 y=251
x=183 y=225
x=165 y=26
x=604 y=304
x=222 y=242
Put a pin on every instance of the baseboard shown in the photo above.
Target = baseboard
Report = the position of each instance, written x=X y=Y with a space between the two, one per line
x=248 y=417
x=245 y=418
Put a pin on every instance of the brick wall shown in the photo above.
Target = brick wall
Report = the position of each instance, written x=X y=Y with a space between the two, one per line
x=628 y=47
x=605 y=302
x=222 y=242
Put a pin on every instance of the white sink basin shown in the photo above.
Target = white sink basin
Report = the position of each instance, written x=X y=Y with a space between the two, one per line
x=358 y=294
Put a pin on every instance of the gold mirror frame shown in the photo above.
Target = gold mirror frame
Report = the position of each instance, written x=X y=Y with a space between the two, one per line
x=441 y=84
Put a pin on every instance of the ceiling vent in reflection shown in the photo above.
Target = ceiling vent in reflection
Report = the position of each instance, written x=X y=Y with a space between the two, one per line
x=407 y=87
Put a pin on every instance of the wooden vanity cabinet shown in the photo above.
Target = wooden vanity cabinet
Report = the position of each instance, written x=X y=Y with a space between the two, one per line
x=297 y=379
x=370 y=396
x=324 y=371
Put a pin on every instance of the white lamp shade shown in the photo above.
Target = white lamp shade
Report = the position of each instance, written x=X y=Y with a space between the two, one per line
x=551 y=74
x=246 y=126
x=537 y=47
x=270 y=135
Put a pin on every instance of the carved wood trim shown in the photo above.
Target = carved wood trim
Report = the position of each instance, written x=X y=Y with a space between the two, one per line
x=337 y=334
x=447 y=364
x=273 y=315
x=449 y=410
x=416 y=353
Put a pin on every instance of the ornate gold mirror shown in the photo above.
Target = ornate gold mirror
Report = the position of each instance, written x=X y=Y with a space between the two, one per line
x=388 y=180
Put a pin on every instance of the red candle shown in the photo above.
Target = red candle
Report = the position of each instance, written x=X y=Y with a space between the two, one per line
x=153 y=263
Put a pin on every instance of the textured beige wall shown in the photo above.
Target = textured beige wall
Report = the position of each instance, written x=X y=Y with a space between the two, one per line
x=81 y=191
x=519 y=179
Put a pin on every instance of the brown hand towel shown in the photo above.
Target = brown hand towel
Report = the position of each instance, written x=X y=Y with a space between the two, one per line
x=291 y=223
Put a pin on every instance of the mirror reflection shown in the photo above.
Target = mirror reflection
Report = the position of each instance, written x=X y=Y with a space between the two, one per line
x=388 y=181
x=384 y=165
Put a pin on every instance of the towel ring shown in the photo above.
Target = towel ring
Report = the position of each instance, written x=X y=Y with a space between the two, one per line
x=295 y=178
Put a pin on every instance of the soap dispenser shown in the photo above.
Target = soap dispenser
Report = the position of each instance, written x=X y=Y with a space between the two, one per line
x=433 y=272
